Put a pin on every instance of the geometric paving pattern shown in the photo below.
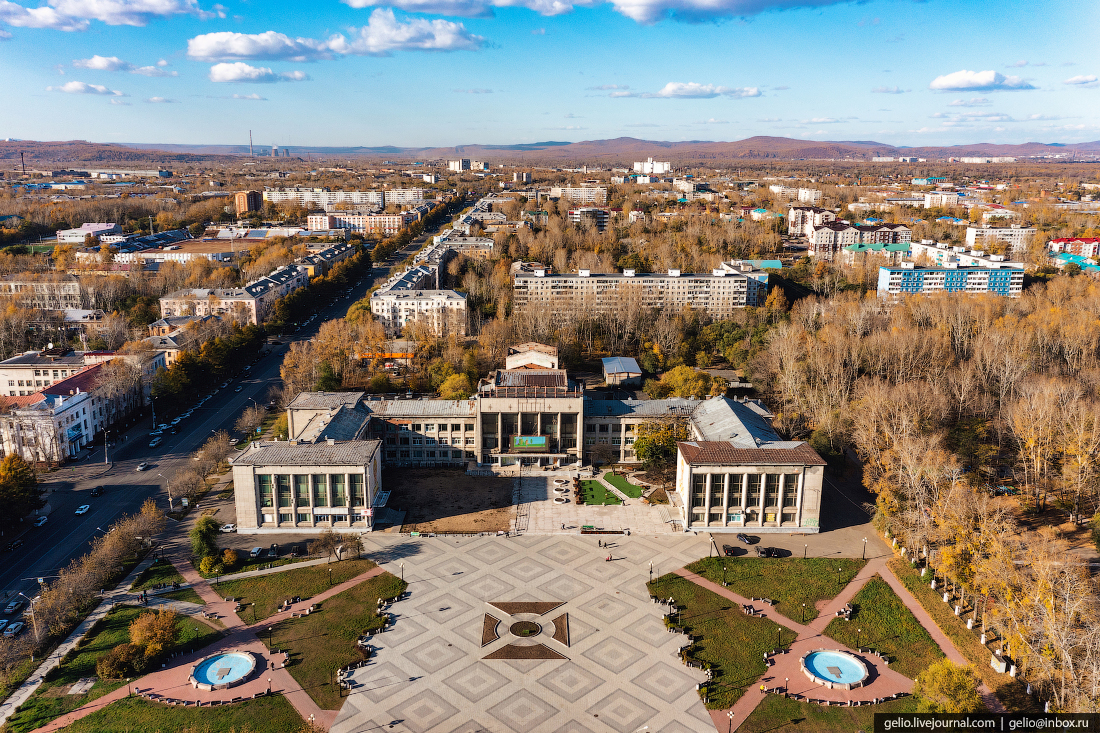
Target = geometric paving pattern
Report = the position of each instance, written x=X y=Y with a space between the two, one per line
x=622 y=672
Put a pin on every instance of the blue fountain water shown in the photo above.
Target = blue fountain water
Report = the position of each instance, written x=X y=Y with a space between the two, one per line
x=224 y=669
x=835 y=667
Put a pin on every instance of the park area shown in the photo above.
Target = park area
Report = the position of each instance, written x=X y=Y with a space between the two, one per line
x=134 y=715
x=727 y=641
x=447 y=500
x=76 y=681
x=595 y=493
x=261 y=595
x=324 y=641
x=620 y=482
x=796 y=584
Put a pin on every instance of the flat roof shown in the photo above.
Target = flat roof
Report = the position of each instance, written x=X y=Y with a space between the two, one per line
x=287 y=453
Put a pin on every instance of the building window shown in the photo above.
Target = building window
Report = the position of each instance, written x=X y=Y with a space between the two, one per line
x=431 y=454
x=404 y=454
x=282 y=484
x=263 y=483
x=771 y=489
x=698 y=489
x=358 y=496
x=391 y=454
x=339 y=489
x=429 y=428
x=416 y=427
x=589 y=428
x=604 y=428
x=301 y=489
x=303 y=518
x=320 y=489
x=469 y=426
x=754 y=489
x=418 y=454
x=286 y=518
x=442 y=427
x=418 y=441
x=455 y=427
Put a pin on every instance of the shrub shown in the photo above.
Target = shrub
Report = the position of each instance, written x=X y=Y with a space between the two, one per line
x=208 y=564
x=155 y=632
x=229 y=558
x=124 y=660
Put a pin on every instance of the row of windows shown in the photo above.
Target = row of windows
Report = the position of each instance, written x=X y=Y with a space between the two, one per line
x=451 y=454
x=391 y=440
x=430 y=427
x=304 y=490
x=744 y=489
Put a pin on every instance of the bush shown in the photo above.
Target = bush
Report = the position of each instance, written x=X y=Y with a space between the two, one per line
x=208 y=564
x=946 y=687
x=155 y=632
x=229 y=558
x=125 y=660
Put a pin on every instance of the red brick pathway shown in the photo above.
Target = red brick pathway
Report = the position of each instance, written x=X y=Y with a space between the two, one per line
x=171 y=682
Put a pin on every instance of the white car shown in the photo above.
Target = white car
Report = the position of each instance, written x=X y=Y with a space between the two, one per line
x=155 y=433
x=83 y=509
x=13 y=629
x=176 y=420
x=154 y=442
x=228 y=528
x=40 y=521
x=142 y=466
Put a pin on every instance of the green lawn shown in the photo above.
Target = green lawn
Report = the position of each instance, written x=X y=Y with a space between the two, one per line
x=183 y=594
x=268 y=591
x=134 y=715
x=620 y=483
x=781 y=713
x=246 y=563
x=160 y=572
x=47 y=703
x=882 y=622
x=324 y=641
x=790 y=581
x=731 y=642
x=593 y=492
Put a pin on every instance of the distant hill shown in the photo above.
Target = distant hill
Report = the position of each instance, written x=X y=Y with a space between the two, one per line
x=621 y=150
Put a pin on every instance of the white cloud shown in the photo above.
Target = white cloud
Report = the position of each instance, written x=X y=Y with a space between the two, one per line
x=1018 y=65
x=713 y=121
x=889 y=90
x=242 y=72
x=978 y=81
x=1081 y=80
x=821 y=121
x=160 y=100
x=642 y=11
x=972 y=102
x=79 y=87
x=249 y=97
x=74 y=15
x=692 y=90
x=382 y=35
x=115 y=100
x=609 y=87
x=473 y=91
x=4 y=35
x=114 y=63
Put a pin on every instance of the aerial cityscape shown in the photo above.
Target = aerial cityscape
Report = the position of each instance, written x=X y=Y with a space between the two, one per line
x=472 y=366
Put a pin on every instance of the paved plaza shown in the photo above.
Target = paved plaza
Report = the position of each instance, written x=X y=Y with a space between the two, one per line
x=616 y=669
x=536 y=512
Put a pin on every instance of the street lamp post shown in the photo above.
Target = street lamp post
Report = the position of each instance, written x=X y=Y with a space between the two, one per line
x=804 y=549
x=859 y=638
x=803 y=613
x=169 y=483
x=34 y=621
x=729 y=715
x=864 y=548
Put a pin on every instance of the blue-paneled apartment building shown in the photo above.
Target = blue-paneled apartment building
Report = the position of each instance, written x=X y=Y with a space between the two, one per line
x=907 y=278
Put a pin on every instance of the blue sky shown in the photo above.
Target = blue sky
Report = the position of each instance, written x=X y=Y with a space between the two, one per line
x=446 y=72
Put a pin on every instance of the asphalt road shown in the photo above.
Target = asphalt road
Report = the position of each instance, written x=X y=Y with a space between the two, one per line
x=66 y=535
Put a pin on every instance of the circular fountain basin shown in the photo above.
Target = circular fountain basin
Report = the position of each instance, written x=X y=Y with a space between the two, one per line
x=560 y=500
x=561 y=482
x=220 y=671
x=834 y=669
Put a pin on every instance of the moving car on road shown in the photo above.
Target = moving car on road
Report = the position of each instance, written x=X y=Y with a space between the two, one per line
x=142 y=466
x=40 y=521
x=97 y=491
x=154 y=442
x=83 y=509
x=13 y=607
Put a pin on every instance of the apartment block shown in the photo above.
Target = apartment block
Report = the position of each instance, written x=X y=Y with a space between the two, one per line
x=734 y=285
x=581 y=195
x=1081 y=246
x=383 y=224
x=247 y=201
x=941 y=199
x=809 y=195
x=46 y=291
x=801 y=218
x=941 y=253
x=322 y=197
x=908 y=278
x=590 y=216
x=650 y=166
x=828 y=238
x=1014 y=238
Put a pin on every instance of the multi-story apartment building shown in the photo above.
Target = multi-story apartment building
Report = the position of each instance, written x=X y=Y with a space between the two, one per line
x=908 y=278
x=247 y=201
x=249 y=304
x=828 y=238
x=941 y=253
x=884 y=234
x=45 y=291
x=590 y=216
x=941 y=199
x=384 y=224
x=580 y=194
x=783 y=192
x=801 y=218
x=322 y=197
x=444 y=311
x=1081 y=246
x=809 y=195
x=1014 y=239
x=736 y=284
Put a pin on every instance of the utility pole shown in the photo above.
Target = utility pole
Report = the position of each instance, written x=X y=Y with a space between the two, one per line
x=22 y=163
x=250 y=155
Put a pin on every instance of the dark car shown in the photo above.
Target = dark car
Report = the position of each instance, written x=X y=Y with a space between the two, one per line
x=743 y=538
x=97 y=491
x=274 y=551
x=13 y=545
x=766 y=552
x=727 y=550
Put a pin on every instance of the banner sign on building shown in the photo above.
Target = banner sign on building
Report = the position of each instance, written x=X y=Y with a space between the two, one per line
x=535 y=443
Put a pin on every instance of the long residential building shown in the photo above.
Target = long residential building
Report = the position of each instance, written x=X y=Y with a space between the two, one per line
x=1013 y=239
x=908 y=278
x=801 y=218
x=736 y=284
x=829 y=238
x=1082 y=246
x=385 y=224
x=250 y=304
x=46 y=291
x=580 y=194
x=322 y=197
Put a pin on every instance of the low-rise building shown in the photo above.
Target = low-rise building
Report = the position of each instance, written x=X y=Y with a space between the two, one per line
x=531 y=355
x=910 y=279
x=1012 y=239
x=82 y=232
x=622 y=370
x=941 y=199
x=1082 y=246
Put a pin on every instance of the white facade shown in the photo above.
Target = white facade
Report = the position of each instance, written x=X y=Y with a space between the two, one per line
x=651 y=166
x=809 y=195
x=941 y=253
x=828 y=238
x=582 y=194
x=443 y=310
x=320 y=197
x=95 y=229
x=387 y=224
x=938 y=199
x=1015 y=237
x=801 y=218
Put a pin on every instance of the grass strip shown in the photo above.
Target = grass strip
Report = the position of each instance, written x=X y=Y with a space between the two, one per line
x=324 y=641
x=50 y=701
x=183 y=594
x=595 y=493
x=620 y=483
x=729 y=642
x=161 y=572
x=790 y=581
x=134 y=715
x=777 y=712
x=1011 y=692
x=267 y=592
x=882 y=622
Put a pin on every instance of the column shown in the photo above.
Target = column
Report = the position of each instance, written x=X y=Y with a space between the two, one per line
x=744 y=498
x=706 y=499
x=726 y=479
x=779 y=500
x=798 y=499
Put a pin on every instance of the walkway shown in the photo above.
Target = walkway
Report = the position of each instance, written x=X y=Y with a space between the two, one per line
x=786 y=671
x=172 y=683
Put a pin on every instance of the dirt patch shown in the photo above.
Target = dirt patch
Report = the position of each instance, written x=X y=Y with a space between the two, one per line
x=489 y=630
x=561 y=629
x=537 y=607
x=447 y=500
x=514 y=651
x=659 y=496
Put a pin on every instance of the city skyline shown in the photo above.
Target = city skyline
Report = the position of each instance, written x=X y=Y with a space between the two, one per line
x=447 y=72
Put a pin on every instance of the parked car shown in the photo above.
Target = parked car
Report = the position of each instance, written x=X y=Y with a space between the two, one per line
x=176 y=421
x=727 y=550
x=82 y=509
x=13 y=630
x=154 y=442
x=766 y=552
x=255 y=552
x=234 y=441
x=13 y=545
x=142 y=466
x=155 y=433
x=13 y=607
x=97 y=491
x=743 y=538
x=228 y=528
x=3 y=623
x=273 y=552
x=41 y=520
x=239 y=388
x=162 y=426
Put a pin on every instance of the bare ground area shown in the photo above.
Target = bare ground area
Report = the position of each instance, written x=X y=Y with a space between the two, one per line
x=447 y=500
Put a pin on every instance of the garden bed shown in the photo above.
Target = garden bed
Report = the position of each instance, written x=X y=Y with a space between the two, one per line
x=595 y=493
x=619 y=482
x=778 y=712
